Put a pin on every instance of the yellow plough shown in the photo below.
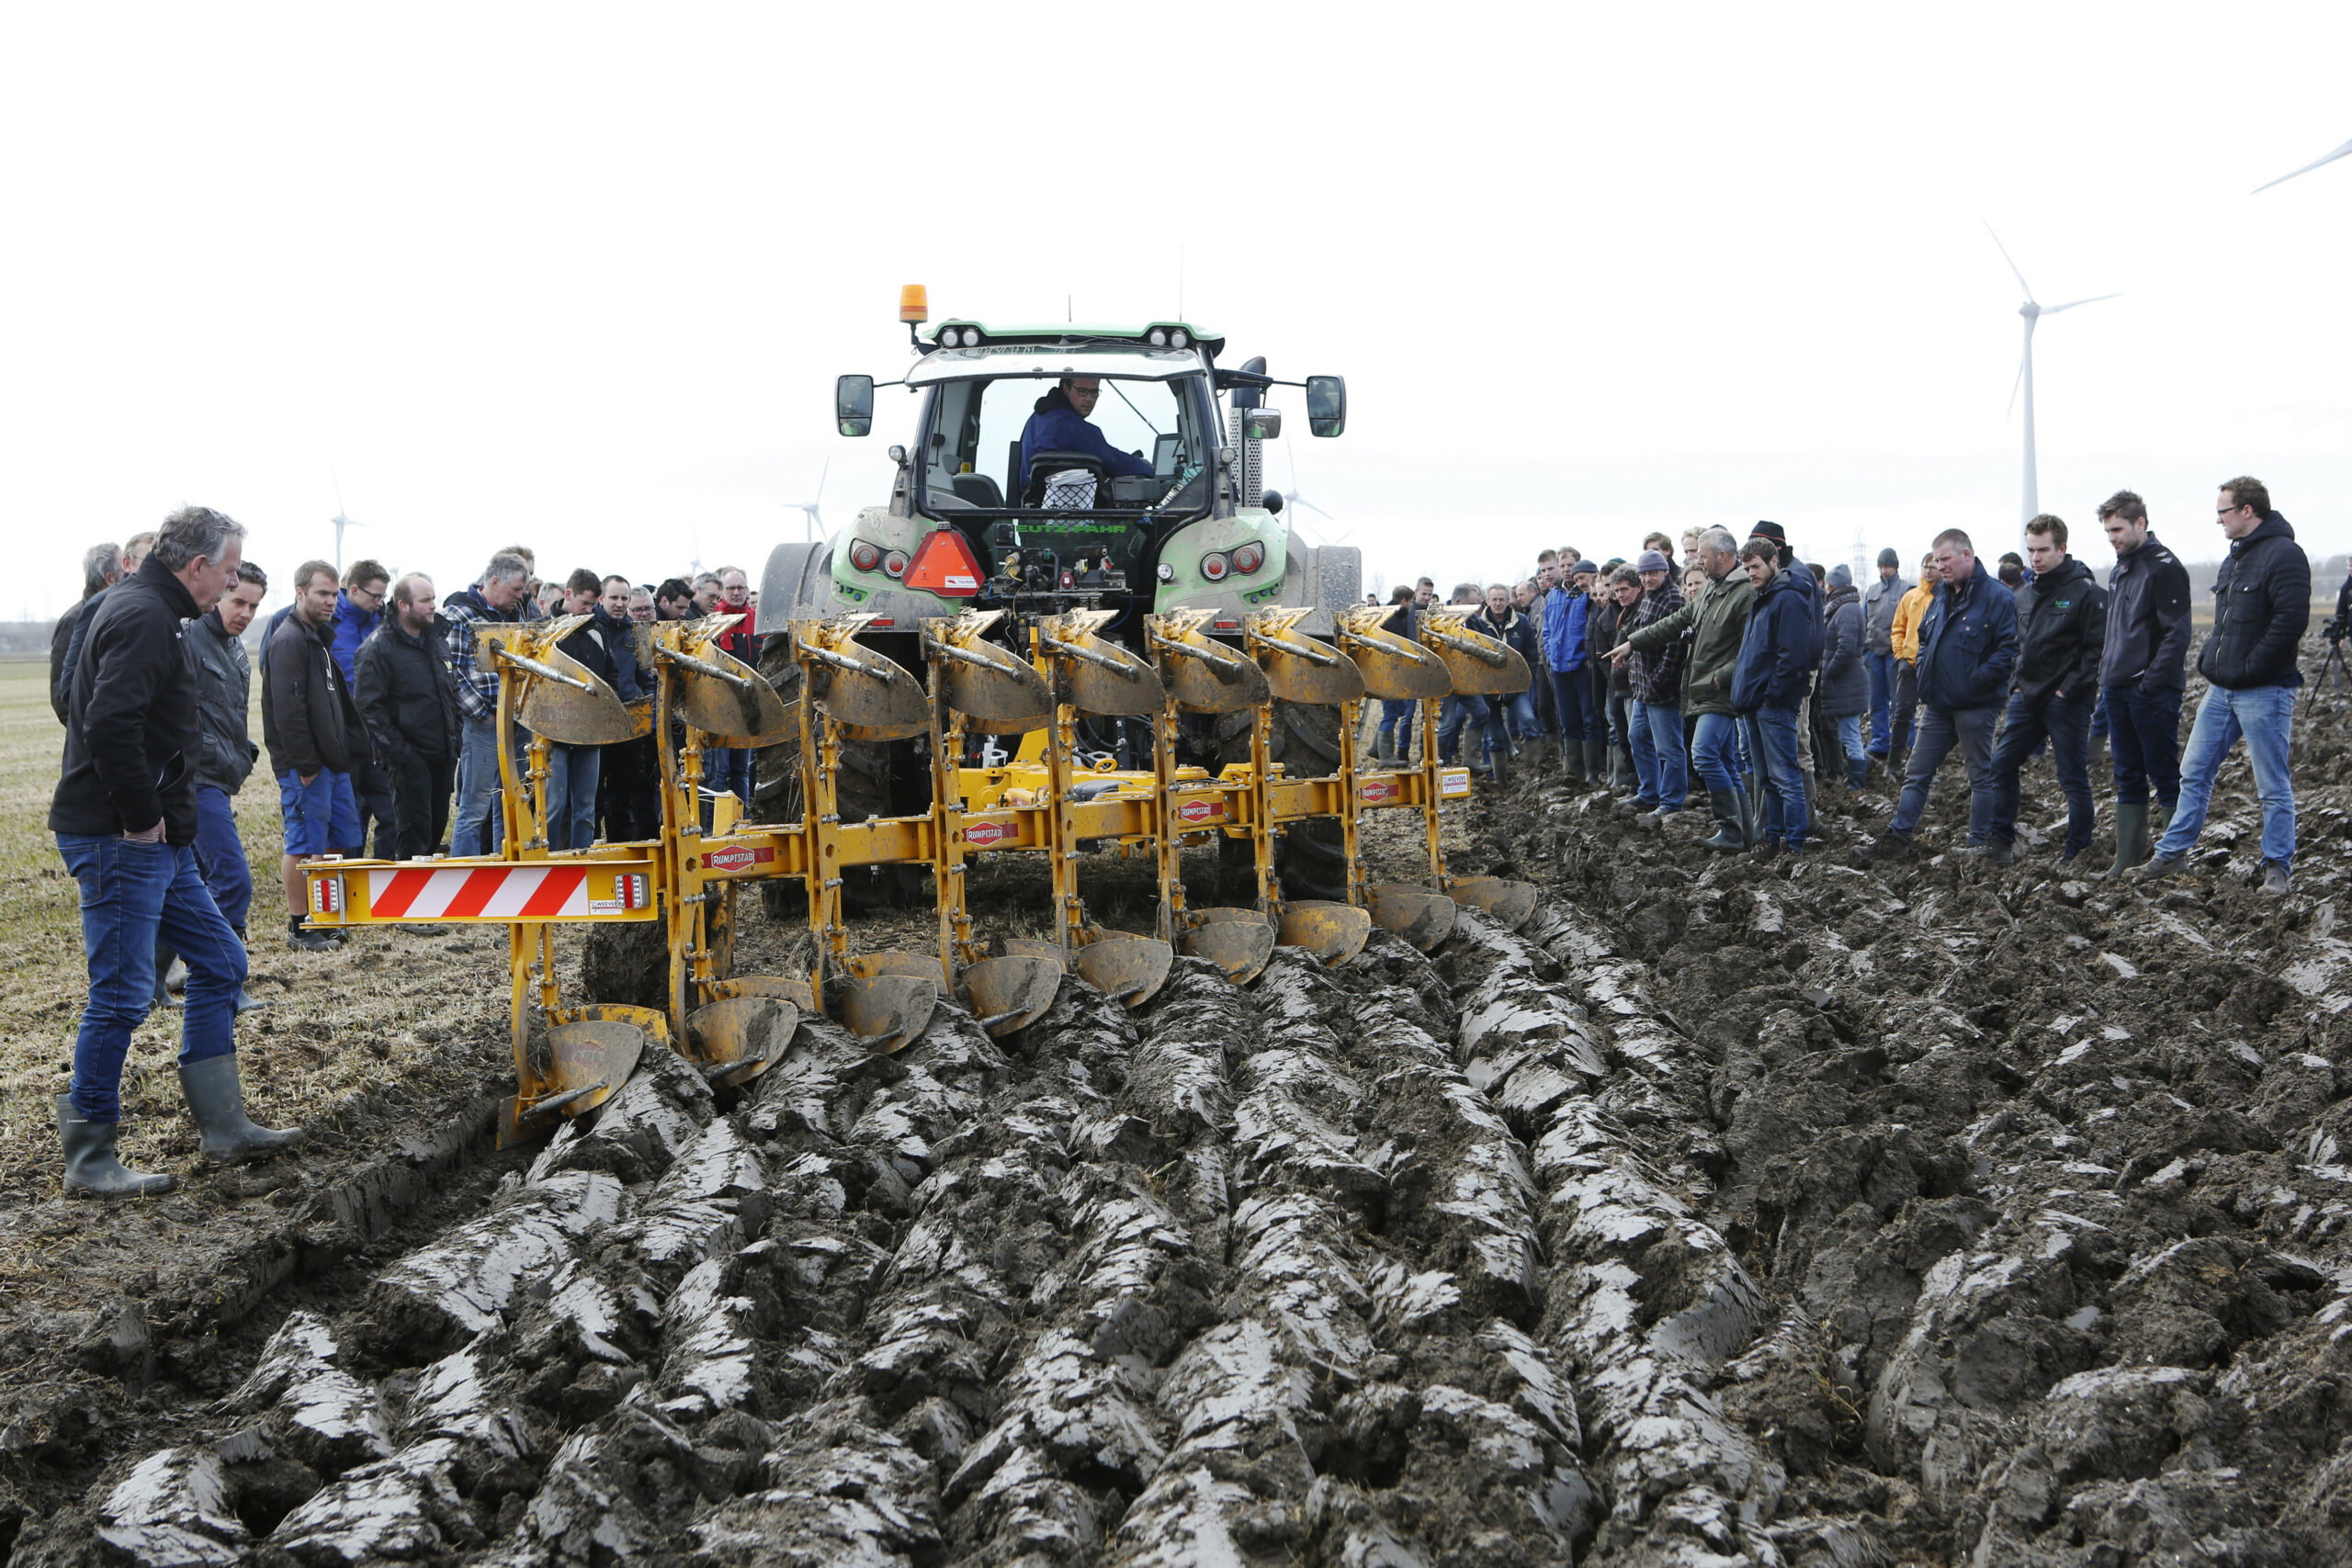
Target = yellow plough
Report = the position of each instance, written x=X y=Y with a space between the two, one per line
x=1033 y=680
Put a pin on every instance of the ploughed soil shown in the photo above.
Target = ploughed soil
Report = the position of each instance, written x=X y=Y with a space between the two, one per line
x=1728 y=1211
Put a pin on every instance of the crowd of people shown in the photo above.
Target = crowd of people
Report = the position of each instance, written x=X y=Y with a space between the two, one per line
x=378 y=720
x=1705 y=679
x=1669 y=681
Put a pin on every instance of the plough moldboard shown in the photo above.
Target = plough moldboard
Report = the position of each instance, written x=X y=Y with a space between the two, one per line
x=1050 y=799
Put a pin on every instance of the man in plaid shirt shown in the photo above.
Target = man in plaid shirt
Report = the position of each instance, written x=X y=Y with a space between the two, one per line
x=497 y=597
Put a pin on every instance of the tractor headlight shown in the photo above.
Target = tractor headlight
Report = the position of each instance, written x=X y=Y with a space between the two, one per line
x=1179 y=338
x=1165 y=572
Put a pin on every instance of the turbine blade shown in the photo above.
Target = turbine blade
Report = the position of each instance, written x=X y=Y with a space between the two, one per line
x=820 y=476
x=2053 y=309
x=1301 y=501
x=2307 y=168
x=2013 y=265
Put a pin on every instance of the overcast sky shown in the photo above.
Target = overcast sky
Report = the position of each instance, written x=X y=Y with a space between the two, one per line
x=582 y=277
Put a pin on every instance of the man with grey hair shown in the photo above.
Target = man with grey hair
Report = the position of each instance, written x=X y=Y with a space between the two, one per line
x=133 y=553
x=125 y=817
x=101 y=565
x=497 y=599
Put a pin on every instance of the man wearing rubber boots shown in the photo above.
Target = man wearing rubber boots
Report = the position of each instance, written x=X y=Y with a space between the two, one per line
x=2143 y=675
x=1717 y=623
x=126 y=824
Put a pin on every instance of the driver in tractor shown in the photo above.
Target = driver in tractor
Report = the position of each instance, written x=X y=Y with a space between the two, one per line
x=1062 y=423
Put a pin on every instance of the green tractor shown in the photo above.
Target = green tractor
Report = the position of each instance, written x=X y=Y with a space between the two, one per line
x=1071 y=467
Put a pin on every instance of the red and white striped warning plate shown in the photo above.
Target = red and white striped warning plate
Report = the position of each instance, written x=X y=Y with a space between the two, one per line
x=545 y=891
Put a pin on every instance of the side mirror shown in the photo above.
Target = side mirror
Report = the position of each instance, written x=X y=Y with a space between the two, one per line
x=1261 y=423
x=853 y=405
x=1326 y=405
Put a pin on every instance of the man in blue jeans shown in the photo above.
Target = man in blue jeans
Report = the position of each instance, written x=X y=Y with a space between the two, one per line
x=313 y=735
x=1880 y=602
x=125 y=818
x=1777 y=650
x=1968 y=645
x=2142 y=673
x=478 y=827
x=2262 y=603
x=1566 y=600
x=2061 y=625
x=224 y=676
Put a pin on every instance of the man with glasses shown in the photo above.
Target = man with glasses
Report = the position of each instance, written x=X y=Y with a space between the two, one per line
x=2262 y=603
x=1062 y=421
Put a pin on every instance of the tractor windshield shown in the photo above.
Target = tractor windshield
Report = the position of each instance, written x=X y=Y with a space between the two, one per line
x=1101 y=445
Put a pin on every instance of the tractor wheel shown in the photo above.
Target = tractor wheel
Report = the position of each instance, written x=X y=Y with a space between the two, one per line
x=1311 y=856
x=874 y=781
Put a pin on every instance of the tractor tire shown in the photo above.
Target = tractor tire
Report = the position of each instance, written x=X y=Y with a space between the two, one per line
x=864 y=787
x=1311 y=856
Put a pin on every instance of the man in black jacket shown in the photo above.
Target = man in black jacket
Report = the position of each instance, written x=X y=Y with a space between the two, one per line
x=311 y=730
x=2262 y=602
x=224 y=677
x=407 y=697
x=2142 y=673
x=125 y=818
x=2061 y=626
x=101 y=566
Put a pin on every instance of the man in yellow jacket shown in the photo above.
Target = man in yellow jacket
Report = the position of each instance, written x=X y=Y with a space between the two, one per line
x=1907 y=617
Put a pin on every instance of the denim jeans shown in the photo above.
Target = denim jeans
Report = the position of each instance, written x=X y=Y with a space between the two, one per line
x=1715 y=753
x=1621 y=719
x=2067 y=721
x=1882 y=671
x=1906 y=703
x=571 y=796
x=1397 y=718
x=134 y=895
x=1458 y=710
x=1773 y=733
x=2266 y=717
x=2144 y=731
x=1518 y=712
x=481 y=827
x=725 y=768
x=1850 y=737
x=220 y=855
x=1940 y=730
x=1659 y=761
x=1572 y=695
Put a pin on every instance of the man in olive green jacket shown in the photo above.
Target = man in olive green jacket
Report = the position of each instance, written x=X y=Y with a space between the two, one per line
x=1716 y=621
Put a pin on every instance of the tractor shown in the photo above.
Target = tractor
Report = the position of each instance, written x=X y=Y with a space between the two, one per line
x=1165 y=510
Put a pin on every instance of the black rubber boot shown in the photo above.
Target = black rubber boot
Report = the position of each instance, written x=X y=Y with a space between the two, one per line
x=91 y=1168
x=164 y=957
x=217 y=1099
x=1729 y=834
x=1500 y=764
x=1596 y=763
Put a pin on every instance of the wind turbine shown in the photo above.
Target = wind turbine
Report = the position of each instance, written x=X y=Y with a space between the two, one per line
x=340 y=520
x=1296 y=499
x=2307 y=168
x=816 y=528
x=2032 y=311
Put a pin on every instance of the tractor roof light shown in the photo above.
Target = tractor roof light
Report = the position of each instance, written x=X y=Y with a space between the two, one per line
x=1179 y=338
x=1213 y=567
x=1160 y=337
x=914 y=304
x=944 y=565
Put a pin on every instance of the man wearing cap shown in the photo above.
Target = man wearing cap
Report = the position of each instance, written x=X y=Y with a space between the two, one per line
x=1880 y=602
x=1655 y=716
x=1717 y=623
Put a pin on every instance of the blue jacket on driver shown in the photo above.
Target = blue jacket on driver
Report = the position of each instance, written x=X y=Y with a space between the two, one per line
x=1060 y=424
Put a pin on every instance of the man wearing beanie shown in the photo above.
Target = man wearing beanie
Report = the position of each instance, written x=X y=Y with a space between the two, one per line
x=1880 y=600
